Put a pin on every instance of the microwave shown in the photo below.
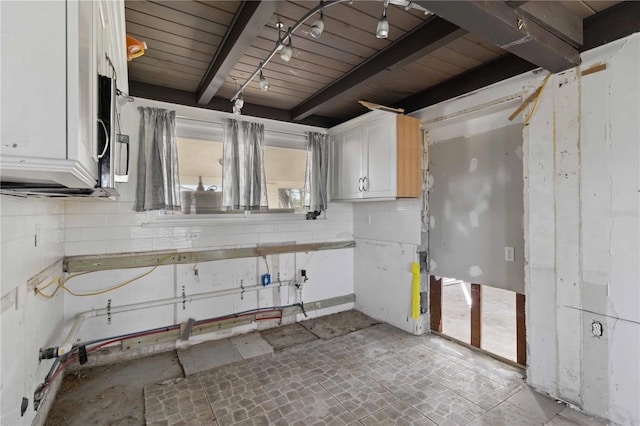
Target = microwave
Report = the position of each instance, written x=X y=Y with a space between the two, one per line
x=111 y=152
x=112 y=147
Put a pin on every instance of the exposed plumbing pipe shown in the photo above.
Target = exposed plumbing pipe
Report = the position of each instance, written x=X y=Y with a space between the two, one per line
x=66 y=346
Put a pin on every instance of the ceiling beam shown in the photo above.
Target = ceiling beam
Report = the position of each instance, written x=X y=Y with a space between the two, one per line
x=555 y=17
x=247 y=23
x=604 y=27
x=509 y=29
x=424 y=39
x=611 y=24
x=182 y=97
x=504 y=67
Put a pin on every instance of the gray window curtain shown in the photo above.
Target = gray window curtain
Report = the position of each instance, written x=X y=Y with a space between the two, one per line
x=244 y=186
x=315 y=180
x=158 y=178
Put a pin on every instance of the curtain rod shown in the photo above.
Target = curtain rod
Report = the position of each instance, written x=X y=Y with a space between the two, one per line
x=282 y=132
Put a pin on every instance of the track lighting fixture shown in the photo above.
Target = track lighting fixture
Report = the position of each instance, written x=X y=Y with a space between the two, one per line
x=287 y=51
x=284 y=44
x=318 y=25
x=382 y=30
x=264 y=84
x=239 y=102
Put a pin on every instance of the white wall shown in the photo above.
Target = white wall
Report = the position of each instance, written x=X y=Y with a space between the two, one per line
x=94 y=227
x=582 y=227
x=387 y=235
x=583 y=159
x=32 y=240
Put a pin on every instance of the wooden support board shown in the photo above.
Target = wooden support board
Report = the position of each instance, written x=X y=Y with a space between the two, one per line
x=435 y=303
x=521 y=330
x=144 y=259
x=476 y=315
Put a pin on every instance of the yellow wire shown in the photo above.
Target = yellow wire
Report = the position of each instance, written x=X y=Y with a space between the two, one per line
x=61 y=283
x=535 y=104
x=266 y=263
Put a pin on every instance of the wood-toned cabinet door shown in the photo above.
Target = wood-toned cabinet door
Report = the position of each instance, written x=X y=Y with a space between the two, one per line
x=380 y=158
x=348 y=165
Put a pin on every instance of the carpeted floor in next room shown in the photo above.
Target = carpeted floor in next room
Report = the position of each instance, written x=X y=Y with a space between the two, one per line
x=359 y=372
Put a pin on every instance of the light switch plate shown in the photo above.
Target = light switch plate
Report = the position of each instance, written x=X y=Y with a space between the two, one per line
x=509 y=254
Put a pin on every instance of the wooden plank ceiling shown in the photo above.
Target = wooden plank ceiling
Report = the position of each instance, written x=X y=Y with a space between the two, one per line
x=184 y=36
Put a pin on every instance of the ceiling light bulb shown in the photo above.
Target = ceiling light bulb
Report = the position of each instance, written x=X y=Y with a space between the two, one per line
x=239 y=102
x=317 y=27
x=382 y=30
x=264 y=84
x=286 y=53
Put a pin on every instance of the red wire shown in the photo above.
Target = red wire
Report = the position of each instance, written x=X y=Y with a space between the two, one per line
x=147 y=333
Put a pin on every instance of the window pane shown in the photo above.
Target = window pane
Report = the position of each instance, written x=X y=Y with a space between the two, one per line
x=284 y=169
x=200 y=159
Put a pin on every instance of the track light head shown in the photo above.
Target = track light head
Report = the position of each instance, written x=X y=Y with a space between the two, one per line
x=287 y=51
x=382 y=30
x=239 y=102
x=264 y=84
x=318 y=26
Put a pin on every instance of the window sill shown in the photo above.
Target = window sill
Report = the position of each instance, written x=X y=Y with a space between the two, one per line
x=159 y=219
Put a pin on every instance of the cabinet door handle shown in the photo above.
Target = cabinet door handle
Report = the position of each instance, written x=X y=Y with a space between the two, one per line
x=360 y=185
x=365 y=184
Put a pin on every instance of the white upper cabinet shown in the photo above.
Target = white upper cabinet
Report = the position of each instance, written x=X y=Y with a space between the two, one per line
x=376 y=156
x=51 y=54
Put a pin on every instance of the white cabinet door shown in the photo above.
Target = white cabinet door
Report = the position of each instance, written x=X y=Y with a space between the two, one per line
x=380 y=158
x=33 y=76
x=82 y=85
x=349 y=164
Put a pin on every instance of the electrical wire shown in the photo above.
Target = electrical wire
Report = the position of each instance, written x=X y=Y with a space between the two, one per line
x=266 y=263
x=535 y=104
x=61 y=282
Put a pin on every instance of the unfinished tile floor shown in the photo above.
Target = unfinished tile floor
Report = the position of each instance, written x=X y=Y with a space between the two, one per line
x=377 y=375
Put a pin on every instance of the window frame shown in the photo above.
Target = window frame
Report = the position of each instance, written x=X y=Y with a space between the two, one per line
x=209 y=129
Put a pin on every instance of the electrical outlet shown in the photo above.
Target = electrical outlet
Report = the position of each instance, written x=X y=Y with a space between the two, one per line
x=597 y=329
x=509 y=254
x=193 y=236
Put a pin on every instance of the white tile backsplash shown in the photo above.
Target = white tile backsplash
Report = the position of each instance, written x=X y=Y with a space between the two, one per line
x=393 y=221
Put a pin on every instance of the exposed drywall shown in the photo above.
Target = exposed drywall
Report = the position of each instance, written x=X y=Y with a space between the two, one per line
x=387 y=235
x=32 y=240
x=582 y=229
x=111 y=227
x=476 y=208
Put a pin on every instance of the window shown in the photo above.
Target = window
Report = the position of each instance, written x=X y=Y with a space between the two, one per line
x=201 y=161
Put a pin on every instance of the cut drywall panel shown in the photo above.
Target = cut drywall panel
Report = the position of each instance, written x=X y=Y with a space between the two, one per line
x=383 y=281
x=476 y=208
